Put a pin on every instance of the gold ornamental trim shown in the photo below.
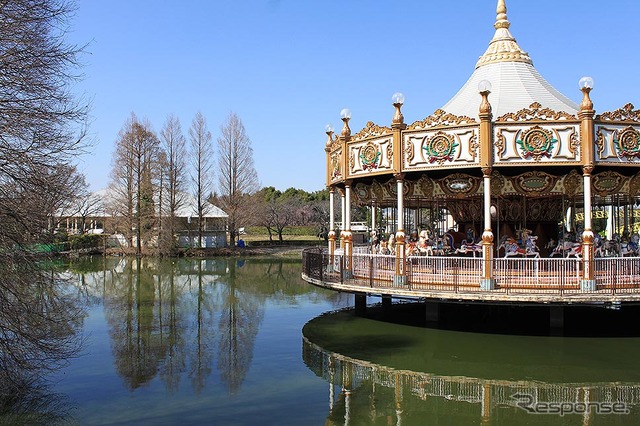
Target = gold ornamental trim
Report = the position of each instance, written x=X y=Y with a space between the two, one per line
x=536 y=112
x=572 y=183
x=371 y=130
x=459 y=184
x=634 y=185
x=607 y=183
x=426 y=186
x=626 y=113
x=534 y=183
x=409 y=151
x=336 y=165
x=441 y=118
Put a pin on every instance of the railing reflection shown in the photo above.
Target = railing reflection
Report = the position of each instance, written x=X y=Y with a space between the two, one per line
x=402 y=394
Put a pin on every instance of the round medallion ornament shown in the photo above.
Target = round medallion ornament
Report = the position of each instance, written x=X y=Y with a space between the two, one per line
x=440 y=148
x=628 y=144
x=536 y=143
x=370 y=157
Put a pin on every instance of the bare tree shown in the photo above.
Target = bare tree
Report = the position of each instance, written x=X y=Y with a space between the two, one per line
x=202 y=159
x=41 y=130
x=41 y=123
x=132 y=187
x=174 y=173
x=237 y=176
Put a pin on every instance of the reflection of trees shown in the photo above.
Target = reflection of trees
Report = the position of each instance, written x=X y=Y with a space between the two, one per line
x=172 y=326
x=242 y=313
x=174 y=317
x=39 y=325
x=135 y=328
x=202 y=352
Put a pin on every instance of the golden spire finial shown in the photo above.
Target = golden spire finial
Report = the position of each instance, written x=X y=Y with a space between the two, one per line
x=503 y=47
x=501 y=16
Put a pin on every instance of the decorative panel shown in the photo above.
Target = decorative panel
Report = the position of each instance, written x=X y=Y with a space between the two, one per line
x=369 y=156
x=617 y=144
x=537 y=143
x=442 y=148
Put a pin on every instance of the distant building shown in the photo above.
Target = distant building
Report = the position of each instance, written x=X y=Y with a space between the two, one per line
x=96 y=215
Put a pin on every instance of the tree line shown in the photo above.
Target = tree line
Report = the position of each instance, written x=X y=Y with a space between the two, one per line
x=155 y=176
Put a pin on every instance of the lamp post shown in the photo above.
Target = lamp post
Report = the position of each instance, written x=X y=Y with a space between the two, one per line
x=331 y=235
x=585 y=114
x=486 y=162
x=397 y=126
x=345 y=236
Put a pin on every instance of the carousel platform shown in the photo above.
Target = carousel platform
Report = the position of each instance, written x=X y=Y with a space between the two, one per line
x=455 y=278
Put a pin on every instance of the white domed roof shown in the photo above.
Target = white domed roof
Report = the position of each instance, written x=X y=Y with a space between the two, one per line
x=515 y=83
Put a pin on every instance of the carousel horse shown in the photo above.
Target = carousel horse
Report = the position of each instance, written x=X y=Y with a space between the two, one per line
x=566 y=249
x=451 y=241
x=425 y=246
x=469 y=248
x=629 y=248
x=512 y=248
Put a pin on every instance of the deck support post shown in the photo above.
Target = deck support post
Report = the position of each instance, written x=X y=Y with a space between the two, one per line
x=432 y=311
x=360 y=303
x=386 y=303
x=556 y=318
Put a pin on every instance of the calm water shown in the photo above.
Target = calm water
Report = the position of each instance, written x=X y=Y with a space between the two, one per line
x=228 y=341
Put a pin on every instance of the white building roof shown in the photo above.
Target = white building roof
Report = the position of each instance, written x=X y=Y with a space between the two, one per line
x=104 y=197
x=515 y=83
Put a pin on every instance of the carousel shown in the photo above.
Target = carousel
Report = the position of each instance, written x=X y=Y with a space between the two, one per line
x=511 y=192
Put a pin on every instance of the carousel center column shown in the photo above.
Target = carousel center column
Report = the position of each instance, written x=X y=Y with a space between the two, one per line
x=487 y=282
x=586 y=114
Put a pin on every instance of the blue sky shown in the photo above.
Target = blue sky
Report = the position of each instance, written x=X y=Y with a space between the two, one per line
x=287 y=67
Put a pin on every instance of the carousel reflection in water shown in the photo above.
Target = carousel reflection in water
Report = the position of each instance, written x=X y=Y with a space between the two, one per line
x=423 y=374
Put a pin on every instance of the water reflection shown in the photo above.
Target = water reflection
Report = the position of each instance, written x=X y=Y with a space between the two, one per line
x=389 y=373
x=40 y=323
x=182 y=320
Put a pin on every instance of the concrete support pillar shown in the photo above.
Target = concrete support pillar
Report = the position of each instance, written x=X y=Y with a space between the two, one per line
x=556 y=319
x=432 y=309
x=386 y=303
x=360 y=303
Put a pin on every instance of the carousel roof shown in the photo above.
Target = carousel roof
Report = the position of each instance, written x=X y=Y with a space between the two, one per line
x=515 y=83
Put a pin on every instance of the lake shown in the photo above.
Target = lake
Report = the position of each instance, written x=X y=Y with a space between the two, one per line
x=229 y=341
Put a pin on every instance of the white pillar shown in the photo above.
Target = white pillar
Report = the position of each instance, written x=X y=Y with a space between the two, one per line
x=400 y=189
x=400 y=277
x=373 y=216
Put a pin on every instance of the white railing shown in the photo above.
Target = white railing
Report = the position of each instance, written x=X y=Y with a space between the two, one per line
x=618 y=273
x=464 y=274
x=539 y=274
